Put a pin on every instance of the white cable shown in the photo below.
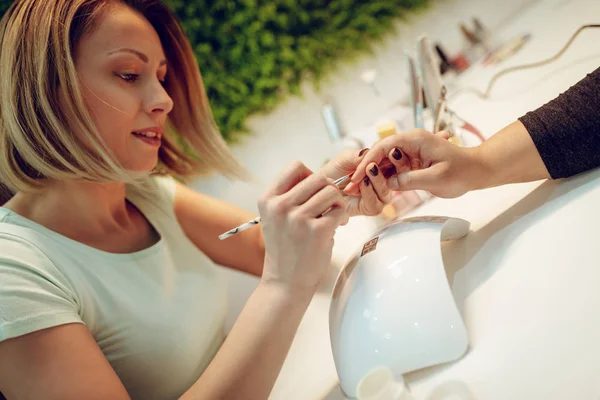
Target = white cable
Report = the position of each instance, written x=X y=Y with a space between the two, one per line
x=486 y=94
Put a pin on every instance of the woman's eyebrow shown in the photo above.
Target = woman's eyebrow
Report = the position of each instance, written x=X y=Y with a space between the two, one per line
x=141 y=55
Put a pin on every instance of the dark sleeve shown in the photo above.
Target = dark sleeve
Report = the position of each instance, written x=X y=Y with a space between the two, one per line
x=566 y=130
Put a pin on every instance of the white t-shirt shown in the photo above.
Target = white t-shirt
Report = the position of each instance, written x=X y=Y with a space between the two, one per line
x=157 y=314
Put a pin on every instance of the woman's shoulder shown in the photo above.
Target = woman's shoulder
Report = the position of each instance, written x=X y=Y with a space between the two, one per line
x=34 y=293
x=22 y=245
x=29 y=248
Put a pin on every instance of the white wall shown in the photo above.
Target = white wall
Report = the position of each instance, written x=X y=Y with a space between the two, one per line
x=295 y=130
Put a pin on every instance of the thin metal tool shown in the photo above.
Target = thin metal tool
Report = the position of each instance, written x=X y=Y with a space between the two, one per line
x=256 y=220
x=439 y=110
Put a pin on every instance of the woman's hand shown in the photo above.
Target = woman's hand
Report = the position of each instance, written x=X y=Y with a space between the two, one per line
x=423 y=161
x=372 y=192
x=299 y=215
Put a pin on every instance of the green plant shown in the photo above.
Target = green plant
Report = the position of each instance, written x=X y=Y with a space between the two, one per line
x=4 y=4
x=252 y=53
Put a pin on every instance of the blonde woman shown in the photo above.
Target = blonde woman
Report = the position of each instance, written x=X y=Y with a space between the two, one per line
x=108 y=283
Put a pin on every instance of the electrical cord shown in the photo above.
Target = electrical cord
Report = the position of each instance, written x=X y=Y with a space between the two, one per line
x=486 y=94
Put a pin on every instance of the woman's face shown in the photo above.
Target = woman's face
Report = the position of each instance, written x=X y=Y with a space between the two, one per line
x=122 y=67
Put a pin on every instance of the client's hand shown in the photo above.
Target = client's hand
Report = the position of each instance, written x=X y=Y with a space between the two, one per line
x=372 y=192
x=423 y=161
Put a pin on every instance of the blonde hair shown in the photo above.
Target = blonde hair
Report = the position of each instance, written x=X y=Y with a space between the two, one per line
x=37 y=140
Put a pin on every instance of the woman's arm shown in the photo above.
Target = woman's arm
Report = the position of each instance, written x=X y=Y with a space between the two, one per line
x=65 y=363
x=204 y=218
x=248 y=363
x=557 y=140
x=301 y=212
x=509 y=156
x=566 y=130
x=429 y=162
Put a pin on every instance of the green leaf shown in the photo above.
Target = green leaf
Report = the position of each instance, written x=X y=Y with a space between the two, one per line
x=253 y=53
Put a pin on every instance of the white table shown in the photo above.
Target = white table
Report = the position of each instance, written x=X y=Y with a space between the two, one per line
x=527 y=278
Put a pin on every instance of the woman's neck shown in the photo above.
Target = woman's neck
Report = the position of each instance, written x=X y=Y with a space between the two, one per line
x=75 y=205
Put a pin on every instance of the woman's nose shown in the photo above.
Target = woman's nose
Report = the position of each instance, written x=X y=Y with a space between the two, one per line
x=159 y=100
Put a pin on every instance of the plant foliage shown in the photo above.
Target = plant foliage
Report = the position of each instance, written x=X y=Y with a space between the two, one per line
x=252 y=53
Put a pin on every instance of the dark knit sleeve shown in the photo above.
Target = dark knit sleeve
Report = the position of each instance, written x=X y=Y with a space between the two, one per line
x=566 y=130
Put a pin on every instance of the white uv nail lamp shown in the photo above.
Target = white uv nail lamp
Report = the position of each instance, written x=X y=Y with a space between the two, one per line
x=392 y=305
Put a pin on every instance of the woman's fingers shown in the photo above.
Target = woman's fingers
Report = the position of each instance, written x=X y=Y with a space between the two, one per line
x=373 y=195
x=443 y=134
x=375 y=155
x=293 y=174
x=381 y=192
x=407 y=143
x=424 y=179
x=306 y=189
x=367 y=203
x=387 y=169
x=352 y=189
x=399 y=160
x=327 y=198
x=335 y=217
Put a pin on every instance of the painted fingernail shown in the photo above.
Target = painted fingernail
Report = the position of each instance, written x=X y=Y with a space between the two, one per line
x=397 y=154
x=367 y=181
x=374 y=171
x=362 y=152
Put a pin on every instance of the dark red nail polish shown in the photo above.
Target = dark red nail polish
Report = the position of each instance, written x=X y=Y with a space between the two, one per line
x=374 y=171
x=362 y=152
x=367 y=181
x=397 y=154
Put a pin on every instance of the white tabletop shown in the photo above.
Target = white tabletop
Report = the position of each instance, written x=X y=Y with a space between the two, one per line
x=527 y=278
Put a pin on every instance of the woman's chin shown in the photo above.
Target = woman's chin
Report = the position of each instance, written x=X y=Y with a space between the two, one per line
x=143 y=167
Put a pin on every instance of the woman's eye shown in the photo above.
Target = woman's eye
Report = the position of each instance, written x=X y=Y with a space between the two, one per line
x=128 y=77
x=131 y=78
